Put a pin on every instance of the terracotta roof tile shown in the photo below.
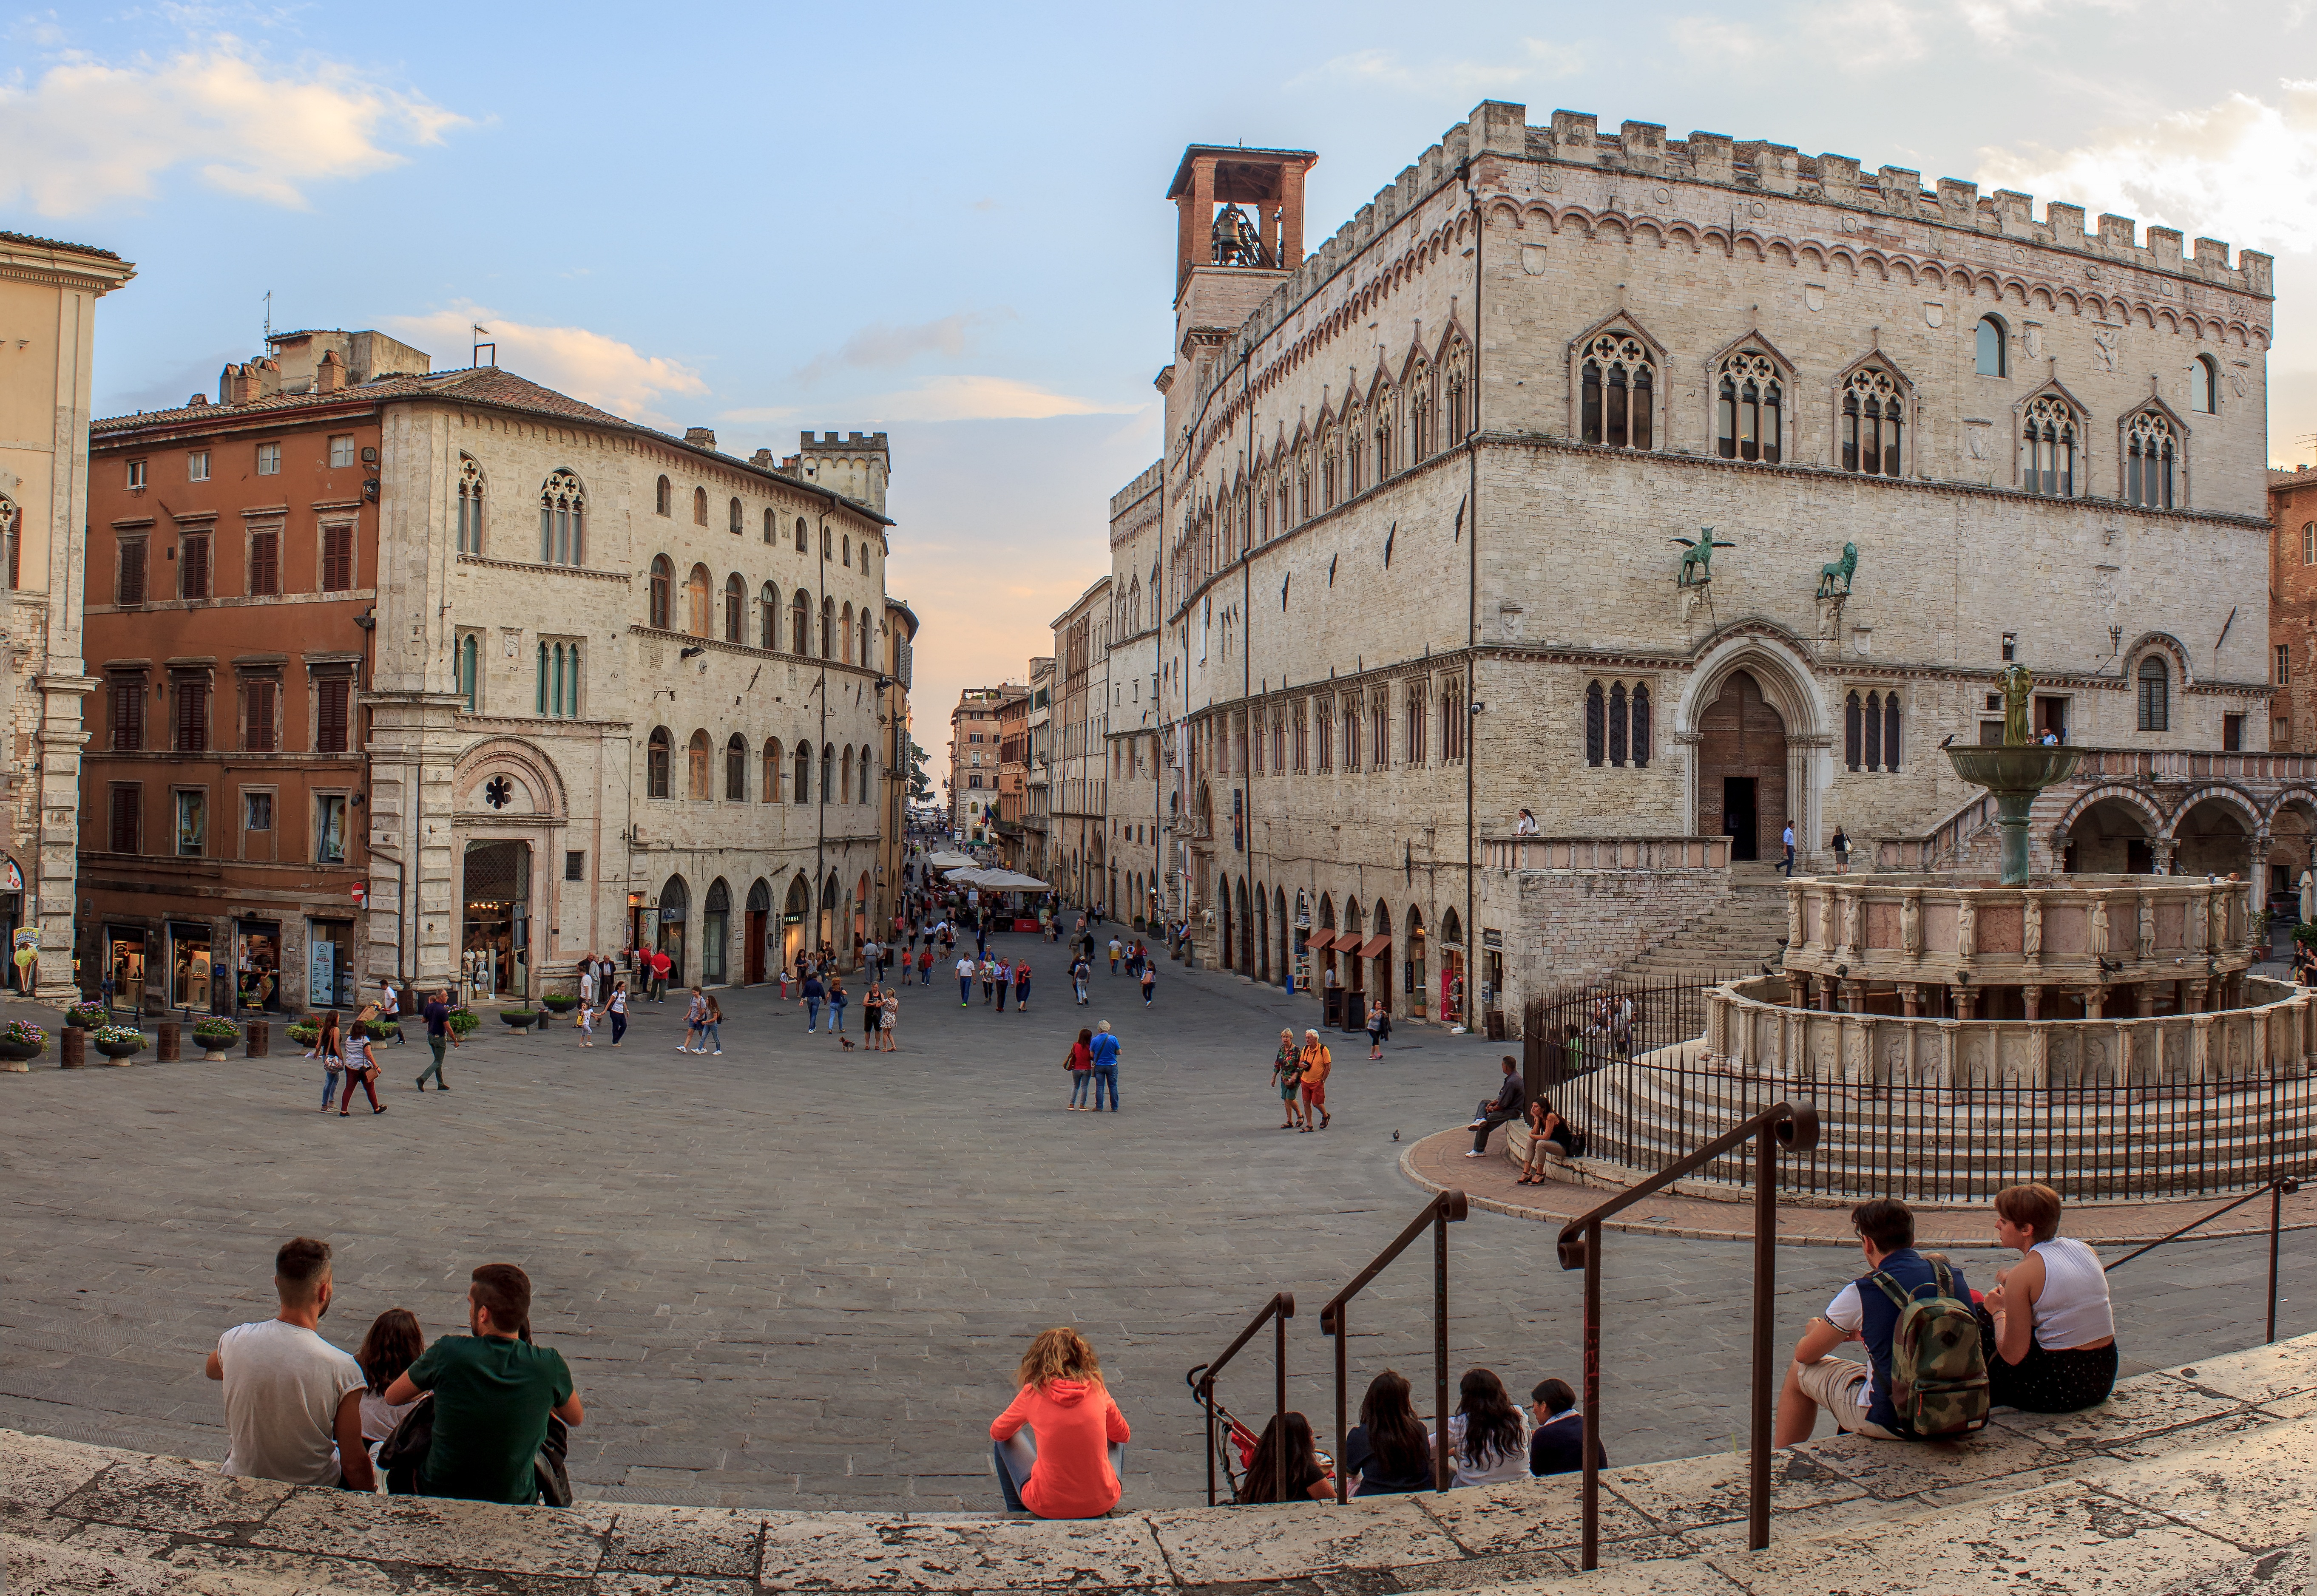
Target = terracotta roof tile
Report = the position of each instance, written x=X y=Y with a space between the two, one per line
x=38 y=242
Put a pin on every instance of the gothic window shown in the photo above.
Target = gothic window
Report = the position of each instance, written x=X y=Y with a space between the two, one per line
x=735 y=610
x=1873 y=423
x=772 y=527
x=844 y=632
x=1640 y=725
x=803 y=547
x=557 y=691
x=666 y=502
x=2049 y=459
x=1278 y=741
x=1853 y=749
x=2204 y=385
x=470 y=506
x=827 y=629
x=737 y=516
x=1452 y=722
x=1616 y=393
x=1380 y=730
x=656 y=763
x=1890 y=731
x=1324 y=714
x=663 y=578
x=696 y=767
x=696 y=604
x=1870 y=732
x=1617 y=724
x=1327 y=470
x=562 y=520
x=775 y=771
x=2150 y=460
x=736 y=769
x=2309 y=543
x=804 y=774
x=1419 y=423
x=1751 y=409
x=1351 y=733
x=768 y=617
x=469 y=672
x=1417 y=753
x=800 y=623
x=1595 y=725
x=1302 y=741
x=1353 y=454
x=1459 y=422
x=1383 y=437
x=700 y=506
x=1303 y=486
x=1991 y=349
x=828 y=772
x=1874 y=730
x=2155 y=696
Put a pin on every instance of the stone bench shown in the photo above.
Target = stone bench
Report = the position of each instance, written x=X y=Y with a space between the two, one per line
x=2183 y=1474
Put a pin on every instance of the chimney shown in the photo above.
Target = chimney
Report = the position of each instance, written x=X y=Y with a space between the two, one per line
x=700 y=437
x=237 y=385
x=330 y=375
x=197 y=402
x=762 y=459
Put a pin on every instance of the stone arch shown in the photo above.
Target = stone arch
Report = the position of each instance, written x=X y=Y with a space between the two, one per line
x=2196 y=850
x=541 y=784
x=2303 y=797
x=2131 y=797
x=1758 y=667
x=2170 y=647
x=2229 y=796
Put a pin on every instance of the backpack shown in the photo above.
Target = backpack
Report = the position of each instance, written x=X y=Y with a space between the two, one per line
x=1938 y=1364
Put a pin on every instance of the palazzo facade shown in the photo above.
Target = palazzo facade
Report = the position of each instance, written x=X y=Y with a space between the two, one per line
x=596 y=686
x=1675 y=491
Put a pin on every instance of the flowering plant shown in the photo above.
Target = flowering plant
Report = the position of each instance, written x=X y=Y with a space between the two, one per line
x=463 y=1019
x=87 y=1016
x=119 y=1035
x=216 y=1029
x=24 y=1033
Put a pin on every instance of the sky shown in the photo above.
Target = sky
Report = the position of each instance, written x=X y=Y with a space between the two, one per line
x=949 y=222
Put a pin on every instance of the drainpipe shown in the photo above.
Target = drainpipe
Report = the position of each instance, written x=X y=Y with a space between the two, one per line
x=1472 y=612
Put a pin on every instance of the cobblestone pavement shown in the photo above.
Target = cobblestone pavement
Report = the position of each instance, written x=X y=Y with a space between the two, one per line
x=793 y=1276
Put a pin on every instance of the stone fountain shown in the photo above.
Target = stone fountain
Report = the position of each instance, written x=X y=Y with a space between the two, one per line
x=2015 y=772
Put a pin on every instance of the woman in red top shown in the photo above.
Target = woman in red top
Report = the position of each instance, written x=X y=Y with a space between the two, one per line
x=1059 y=1443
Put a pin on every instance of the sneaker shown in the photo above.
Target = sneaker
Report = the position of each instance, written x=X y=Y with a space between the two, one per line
x=1476 y=1155
x=720 y=1052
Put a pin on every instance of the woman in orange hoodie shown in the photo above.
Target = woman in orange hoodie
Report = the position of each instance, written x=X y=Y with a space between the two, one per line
x=1059 y=1443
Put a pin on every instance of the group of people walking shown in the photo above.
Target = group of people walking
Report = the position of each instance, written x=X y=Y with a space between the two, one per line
x=1300 y=1073
x=998 y=976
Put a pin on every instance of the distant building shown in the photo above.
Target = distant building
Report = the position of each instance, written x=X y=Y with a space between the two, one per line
x=1038 y=783
x=1082 y=669
x=973 y=785
x=48 y=293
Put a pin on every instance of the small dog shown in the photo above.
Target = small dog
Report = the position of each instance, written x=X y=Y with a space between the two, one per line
x=846 y=1041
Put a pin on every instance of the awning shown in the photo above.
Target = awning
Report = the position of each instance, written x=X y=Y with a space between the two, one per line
x=1322 y=942
x=1374 y=945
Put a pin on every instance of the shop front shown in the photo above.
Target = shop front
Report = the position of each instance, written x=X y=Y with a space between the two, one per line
x=11 y=912
x=257 y=966
x=793 y=922
x=330 y=979
x=495 y=929
x=674 y=909
x=191 y=951
x=124 y=966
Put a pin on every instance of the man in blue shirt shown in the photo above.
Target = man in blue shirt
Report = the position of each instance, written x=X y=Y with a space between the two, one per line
x=1105 y=1050
x=1859 y=1394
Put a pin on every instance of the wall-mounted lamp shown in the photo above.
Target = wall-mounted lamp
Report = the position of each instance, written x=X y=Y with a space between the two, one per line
x=689 y=651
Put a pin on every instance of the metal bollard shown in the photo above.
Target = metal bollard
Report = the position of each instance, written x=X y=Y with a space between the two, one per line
x=256 y=1036
x=164 y=1048
x=72 y=1051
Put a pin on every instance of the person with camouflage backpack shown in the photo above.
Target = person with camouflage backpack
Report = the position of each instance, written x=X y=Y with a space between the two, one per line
x=1925 y=1377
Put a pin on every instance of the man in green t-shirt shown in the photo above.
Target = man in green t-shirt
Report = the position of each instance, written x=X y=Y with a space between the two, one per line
x=493 y=1393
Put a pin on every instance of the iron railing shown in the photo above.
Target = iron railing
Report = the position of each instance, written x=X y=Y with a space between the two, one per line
x=1441 y=1212
x=2277 y=1190
x=1581 y=1029
x=1960 y=1144
x=1201 y=1379
x=1791 y=1126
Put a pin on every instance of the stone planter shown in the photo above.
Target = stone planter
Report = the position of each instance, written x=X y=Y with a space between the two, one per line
x=214 y=1047
x=522 y=1019
x=120 y=1052
x=16 y=1058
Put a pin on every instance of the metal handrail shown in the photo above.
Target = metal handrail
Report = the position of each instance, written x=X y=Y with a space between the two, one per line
x=2276 y=1191
x=1276 y=1312
x=1443 y=1210
x=1791 y=1126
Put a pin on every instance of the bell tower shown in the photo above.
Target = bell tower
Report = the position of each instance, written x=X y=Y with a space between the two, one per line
x=1240 y=209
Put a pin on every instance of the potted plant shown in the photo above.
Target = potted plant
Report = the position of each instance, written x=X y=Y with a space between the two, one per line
x=87 y=1016
x=521 y=1019
x=560 y=1003
x=304 y=1033
x=215 y=1033
x=21 y=1042
x=118 y=1042
x=463 y=1020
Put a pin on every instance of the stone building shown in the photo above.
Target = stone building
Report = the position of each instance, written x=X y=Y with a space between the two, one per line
x=898 y=643
x=617 y=688
x=973 y=763
x=1422 y=493
x=1038 y=780
x=1012 y=778
x=49 y=292
x=1082 y=719
x=1137 y=855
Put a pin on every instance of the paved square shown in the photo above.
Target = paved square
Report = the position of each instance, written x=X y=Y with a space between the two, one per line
x=793 y=1276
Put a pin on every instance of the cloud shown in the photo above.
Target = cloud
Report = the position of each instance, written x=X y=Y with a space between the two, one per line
x=586 y=364
x=978 y=398
x=882 y=344
x=1385 y=69
x=2241 y=169
x=87 y=134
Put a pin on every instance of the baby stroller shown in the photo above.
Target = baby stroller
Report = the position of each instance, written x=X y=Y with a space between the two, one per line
x=1237 y=1442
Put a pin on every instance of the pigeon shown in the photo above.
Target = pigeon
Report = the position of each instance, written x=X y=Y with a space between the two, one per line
x=1395 y=1135
x=1947 y=739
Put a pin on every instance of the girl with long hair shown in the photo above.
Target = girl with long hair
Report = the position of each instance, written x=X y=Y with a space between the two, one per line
x=331 y=1045
x=1389 y=1450
x=1080 y=1065
x=392 y=1346
x=1308 y=1478
x=1059 y=1444
x=1487 y=1432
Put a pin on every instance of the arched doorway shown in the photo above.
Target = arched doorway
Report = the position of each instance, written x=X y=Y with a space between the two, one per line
x=860 y=912
x=1377 y=952
x=674 y=910
x=1286 y=934
x=1247 y=937
x=828 y=928
x=2214 y=836
x=793 y=916
x=1356 y=968
x=1415 y=963
x=715 y=918
x=758 y=932
x=1262 y=971
x=2110 y=836
x=497 y=928
x=1742 y=770
x=1452 y=969
x=1325 y=976
x=1223 y=923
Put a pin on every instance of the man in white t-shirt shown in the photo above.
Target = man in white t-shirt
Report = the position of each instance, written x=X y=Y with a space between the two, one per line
x=292 y=1401
x=965 y=969
x=389 y=1010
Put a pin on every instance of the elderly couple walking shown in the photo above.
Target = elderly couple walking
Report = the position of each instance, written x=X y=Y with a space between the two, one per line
x=1301 y=1074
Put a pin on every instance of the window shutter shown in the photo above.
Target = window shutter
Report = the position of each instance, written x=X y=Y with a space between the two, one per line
x=337 y=558
x=264 y=563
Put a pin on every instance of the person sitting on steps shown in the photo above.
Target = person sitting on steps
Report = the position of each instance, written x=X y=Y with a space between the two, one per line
x=1059 y=1444
x=2049 y=1326
x=1506 y=1106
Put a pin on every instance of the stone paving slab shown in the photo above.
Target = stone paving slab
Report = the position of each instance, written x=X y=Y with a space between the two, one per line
x=1437 y=1163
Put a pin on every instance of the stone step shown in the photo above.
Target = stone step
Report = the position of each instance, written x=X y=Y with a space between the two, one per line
x=2183 y=1476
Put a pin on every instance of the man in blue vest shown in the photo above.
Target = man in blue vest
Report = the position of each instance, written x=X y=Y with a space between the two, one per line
x=1859 y=1394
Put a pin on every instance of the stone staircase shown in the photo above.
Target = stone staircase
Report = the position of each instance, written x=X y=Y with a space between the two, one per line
x=2186 y=1480
x=1738 y=935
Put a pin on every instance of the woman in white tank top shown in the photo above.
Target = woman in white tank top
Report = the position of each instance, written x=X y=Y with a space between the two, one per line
x=2050 y=1331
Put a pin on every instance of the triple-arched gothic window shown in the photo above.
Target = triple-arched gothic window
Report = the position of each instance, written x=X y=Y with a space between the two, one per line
x=470 y=505
x=1870 y=732
x=1750 y=408
x=1873 y=423
x=1619 y=726
x=2152 y=455
x=2050 y=447
x=1616 y=393
x=562 y=521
